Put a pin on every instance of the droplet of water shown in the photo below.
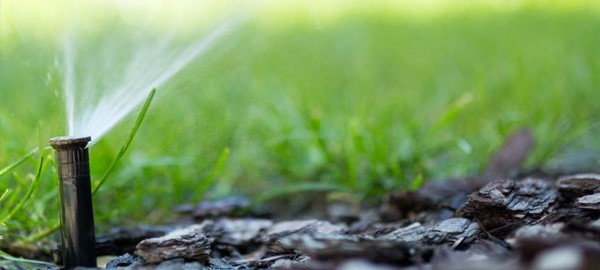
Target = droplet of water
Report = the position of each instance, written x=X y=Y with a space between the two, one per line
x=465 y=146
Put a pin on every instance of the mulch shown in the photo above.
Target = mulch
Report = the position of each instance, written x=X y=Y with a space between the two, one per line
x=502 y=219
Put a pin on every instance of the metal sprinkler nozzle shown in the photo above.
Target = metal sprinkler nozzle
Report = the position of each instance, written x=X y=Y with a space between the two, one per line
x=75 y=194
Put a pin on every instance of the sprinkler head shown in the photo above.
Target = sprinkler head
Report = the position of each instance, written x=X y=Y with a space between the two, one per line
x=68 y=142
x=75 y=194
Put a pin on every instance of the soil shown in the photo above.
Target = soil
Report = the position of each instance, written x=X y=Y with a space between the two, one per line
x=503 y=219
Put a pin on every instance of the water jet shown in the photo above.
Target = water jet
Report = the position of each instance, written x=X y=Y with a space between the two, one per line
x=75 y=195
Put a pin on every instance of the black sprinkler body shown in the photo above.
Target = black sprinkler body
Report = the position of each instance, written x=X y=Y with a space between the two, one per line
x=75 y=194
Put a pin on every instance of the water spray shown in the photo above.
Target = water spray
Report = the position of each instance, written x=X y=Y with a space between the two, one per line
x=75 y=193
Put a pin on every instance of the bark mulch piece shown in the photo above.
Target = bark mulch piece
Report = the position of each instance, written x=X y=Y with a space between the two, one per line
x=340 y=248
x=591 y=202
x=188 y=243
x=124 y=261
x=456 y=231
x=574 y=186
x=504 y=205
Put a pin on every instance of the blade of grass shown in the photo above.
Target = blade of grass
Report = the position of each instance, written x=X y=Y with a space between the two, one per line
x=8 y=257
x=111 y=167
x=43 y=234
x=450 y=114
x=2 y=198
x=4 y=194
x=32 y=188
x=12 y=198
x=121 y=153
x=210 y=178
x=18 y=162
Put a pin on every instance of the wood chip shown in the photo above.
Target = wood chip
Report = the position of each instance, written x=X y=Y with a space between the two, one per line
x=508 y=201
x=454 y=230
x=574 y=186
x=411 y=233
x=187 y=243
x=591 y=202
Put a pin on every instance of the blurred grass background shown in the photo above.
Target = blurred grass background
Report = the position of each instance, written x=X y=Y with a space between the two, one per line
x=363 y=97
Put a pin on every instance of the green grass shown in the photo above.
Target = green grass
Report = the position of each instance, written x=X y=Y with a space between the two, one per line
x=364 y=103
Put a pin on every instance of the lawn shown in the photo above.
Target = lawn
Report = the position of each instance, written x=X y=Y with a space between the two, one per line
x=357 y=99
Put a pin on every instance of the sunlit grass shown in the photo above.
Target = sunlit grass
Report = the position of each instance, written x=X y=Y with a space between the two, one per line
x=48 y=20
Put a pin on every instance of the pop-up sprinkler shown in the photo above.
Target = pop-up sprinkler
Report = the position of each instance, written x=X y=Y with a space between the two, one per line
x=75 y=193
